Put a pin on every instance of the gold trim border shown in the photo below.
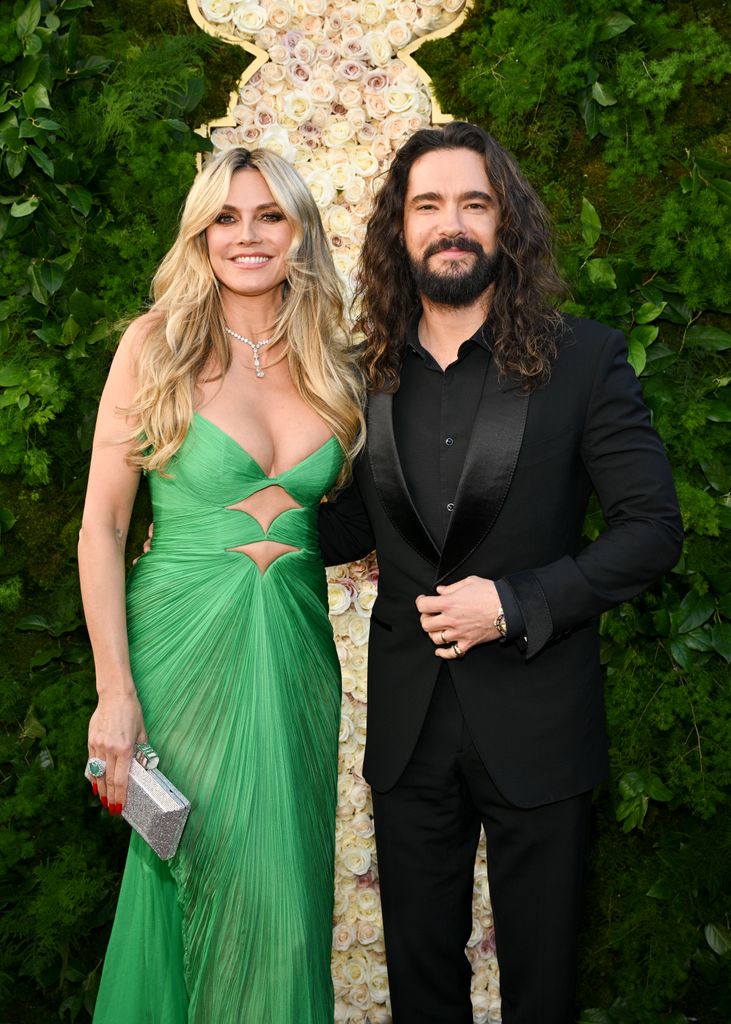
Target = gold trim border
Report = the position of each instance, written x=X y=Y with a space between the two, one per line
x=261 y=57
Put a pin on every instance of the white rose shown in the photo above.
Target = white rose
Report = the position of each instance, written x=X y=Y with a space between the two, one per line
x=354 y=190
x=217 y=10
x=326 y=52
x=364 y=162
x=356 y=969
x=378 y=984
x=358 y=794
x=354 y=49
x=342 y=175
x=265 y=115
x=248 y=135
x=356 y=116
x=343 y=936
x=407 y=11
x=415 y=123
x=480 y=1007
x=349 y=13
x=356 y=861
x=359 y=996
x=298 y=74
x=320 y=118
x=368 y=905
x=298 y=106
x=376 y=105
x=304 y=51
x=399 y=99
x=375 y=81
x=280 y=15
x=312 y=27
x=250 y=95
x=379 y=48
x=350 y=680
x=350 y=70
x=362 y=823
x=338 y=598
x=358 y=629
x=333 y=24
x=316 y=7
x=273 y=76
x=452 y=6
x=344 y=261
x=250 y=18
x=368 y=932
x=428 y=22
x=365 y=599
x=266 y=39
x=337 y=572
x=277 y=139
x=279 y=54
x=398 y=34
x=372 y=12
x=352 y=31
x=321 y=186
x=321 y=91
x=337 y=133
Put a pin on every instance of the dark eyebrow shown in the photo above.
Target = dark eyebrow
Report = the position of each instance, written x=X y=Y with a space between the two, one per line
x=435 y=196
x=262 y=206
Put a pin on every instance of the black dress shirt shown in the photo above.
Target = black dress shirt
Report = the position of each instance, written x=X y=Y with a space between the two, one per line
x=433 y=414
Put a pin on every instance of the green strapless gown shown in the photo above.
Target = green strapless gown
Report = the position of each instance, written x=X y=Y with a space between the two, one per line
x=239 y=683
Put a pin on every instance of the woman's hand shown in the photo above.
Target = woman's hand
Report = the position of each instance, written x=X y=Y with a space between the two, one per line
x=115 y=727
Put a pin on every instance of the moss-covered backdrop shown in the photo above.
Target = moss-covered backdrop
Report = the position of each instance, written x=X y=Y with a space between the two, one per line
x=618 y=111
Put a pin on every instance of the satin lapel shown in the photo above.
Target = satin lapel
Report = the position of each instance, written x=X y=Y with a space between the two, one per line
x=488 y=470
x=389 y=478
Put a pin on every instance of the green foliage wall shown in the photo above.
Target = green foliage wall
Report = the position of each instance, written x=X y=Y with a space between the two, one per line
x=620 y=117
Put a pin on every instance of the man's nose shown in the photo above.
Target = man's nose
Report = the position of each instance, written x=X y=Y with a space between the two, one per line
x=451 y=222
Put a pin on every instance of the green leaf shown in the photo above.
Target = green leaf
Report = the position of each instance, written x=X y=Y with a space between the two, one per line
x=7 y=520
x=645 y=334
x=11 y=376
x=682 y=654
x=80 y=199
x=53 y=22
x=636 y=357
x=37 y=288
x=613 y=26
x=40 y=158
x=82 y=307
x=713 y=168
x=15 y=162
x=693 y=611
x=44 y=657
x=25 y=207
x=718 y=938
x=32 y=44
x=713 y=339
x=717 y=474
x=591 y=226
x=698 y=640
x=649 y=311
x=657 y=789
x=603 y=95
x=76 y=5
x=659 y=357
x=661 y=890
x=34 y=623
x=721 y=639
x=723 y=188
x=36 y=98
x=719 y=410
x=601 y=273
x=52 y=276
x=27 y=71
x=590 y=112
x=90 y=66
x=594 y=1016
x=724 y=605
x=27 y=21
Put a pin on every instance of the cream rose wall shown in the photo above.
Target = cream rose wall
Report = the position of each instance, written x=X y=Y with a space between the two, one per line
x=334 y=90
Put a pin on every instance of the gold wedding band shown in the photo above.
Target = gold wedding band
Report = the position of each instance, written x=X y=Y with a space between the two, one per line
x=441 y=633
x=457 y=652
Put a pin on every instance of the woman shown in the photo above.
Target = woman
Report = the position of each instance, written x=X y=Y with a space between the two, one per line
x=236 y=395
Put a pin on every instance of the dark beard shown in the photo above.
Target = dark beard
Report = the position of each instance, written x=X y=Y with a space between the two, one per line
x=455 y=287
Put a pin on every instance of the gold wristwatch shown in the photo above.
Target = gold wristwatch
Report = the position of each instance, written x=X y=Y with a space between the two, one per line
x=499 y=623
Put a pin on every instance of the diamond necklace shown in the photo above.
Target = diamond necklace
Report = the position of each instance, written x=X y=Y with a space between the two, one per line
x=253 y=345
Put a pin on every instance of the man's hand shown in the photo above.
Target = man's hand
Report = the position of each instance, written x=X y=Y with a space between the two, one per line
x=462 y=614
x=147 y=546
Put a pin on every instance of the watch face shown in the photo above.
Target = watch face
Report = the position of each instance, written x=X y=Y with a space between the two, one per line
x=500 y=623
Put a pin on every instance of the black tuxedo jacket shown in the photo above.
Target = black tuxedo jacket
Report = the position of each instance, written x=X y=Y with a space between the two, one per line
x=535 y=707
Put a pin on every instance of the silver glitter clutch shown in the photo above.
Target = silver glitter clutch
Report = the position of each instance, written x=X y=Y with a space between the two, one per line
x=154 y=807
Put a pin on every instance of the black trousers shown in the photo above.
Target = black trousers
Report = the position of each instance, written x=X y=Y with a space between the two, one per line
x=427 y=831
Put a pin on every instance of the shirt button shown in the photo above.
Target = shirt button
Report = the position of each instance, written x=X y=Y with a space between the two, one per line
x=450 y=507
x=449 y=441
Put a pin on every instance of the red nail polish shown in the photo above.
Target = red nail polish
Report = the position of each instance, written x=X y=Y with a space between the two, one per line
x=119 y=808
x=95 y=787
x=103 y=800
x=110 y=808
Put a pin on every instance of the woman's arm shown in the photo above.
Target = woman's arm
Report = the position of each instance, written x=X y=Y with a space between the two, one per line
x=117 y=723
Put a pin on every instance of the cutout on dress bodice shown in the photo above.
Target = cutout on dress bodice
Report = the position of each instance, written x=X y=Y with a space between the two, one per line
x=265 y=506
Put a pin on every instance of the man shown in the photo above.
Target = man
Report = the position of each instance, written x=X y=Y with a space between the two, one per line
x=491 y=420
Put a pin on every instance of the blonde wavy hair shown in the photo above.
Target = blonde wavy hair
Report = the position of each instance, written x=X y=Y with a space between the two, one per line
x=186 y=340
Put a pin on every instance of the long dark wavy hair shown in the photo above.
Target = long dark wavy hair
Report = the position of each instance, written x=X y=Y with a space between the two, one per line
x=524 y=322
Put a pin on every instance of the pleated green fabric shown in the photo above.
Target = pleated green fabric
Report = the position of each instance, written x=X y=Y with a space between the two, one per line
x=240 y=687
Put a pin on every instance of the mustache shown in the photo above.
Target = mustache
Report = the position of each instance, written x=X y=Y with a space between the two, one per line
x=467 y=244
